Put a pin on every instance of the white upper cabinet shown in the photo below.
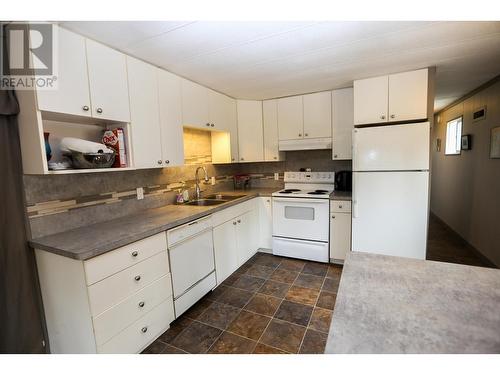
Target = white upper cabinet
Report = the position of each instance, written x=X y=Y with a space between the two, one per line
x=342 y=123
x=170 y=103
x=195 y=99
x=318 y=115
x=221 y=111
x=270 y=118
x=72 y=95
x=394 y=98
x=408 y=95
x=144 y=113
x=371 y=100
x=290 y=118
x=108 y=82
x=250 y=131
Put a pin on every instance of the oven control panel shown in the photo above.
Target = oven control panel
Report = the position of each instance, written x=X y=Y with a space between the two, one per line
x=310 y=177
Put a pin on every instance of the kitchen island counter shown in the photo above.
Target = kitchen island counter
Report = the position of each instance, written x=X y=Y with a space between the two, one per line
x=87 y=242
x=398 y=305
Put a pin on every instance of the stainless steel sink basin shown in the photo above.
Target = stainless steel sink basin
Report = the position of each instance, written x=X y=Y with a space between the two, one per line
x=223 y=197
x=205 y=202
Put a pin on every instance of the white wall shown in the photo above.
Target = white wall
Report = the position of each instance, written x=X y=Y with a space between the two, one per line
x=465 y=190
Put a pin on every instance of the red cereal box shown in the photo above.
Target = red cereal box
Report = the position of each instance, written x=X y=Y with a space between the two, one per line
x=115 y=139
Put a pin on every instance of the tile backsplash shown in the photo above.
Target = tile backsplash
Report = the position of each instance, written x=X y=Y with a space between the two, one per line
x=57 y=203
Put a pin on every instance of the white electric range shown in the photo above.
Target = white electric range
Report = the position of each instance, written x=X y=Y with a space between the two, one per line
x=301 y=216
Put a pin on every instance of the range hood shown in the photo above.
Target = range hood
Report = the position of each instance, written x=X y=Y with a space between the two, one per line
x=305 y=144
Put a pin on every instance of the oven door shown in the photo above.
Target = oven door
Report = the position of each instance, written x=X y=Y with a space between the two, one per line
x=301 y=218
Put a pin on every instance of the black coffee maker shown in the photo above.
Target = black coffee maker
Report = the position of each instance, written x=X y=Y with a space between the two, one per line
x=343 y=181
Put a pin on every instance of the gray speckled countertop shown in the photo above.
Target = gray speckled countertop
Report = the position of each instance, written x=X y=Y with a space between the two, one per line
x=399 y=305
x=93 y=240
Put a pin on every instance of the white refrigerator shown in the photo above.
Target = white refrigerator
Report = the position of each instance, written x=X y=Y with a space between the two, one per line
x=390 y=203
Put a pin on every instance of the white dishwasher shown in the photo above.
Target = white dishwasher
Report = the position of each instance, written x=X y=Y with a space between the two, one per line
x=191 y=253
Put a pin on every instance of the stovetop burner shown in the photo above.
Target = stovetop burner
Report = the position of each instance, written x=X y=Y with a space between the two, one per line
x=289 y=191
x=318 y=192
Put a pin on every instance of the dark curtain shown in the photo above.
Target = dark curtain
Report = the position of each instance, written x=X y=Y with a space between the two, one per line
x=21 y=319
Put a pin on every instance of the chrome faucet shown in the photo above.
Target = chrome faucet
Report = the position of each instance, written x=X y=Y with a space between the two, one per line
x=197 y=191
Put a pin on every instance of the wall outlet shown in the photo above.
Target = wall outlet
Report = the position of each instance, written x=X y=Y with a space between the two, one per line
x=212 y=180
x=140 y=193
x=276 y=176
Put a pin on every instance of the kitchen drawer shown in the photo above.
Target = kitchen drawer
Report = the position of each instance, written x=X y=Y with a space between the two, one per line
x=185 y=231
x=108 y=292
x=141 y=333
x=110 y=263
x=340 y=206
x=115 y=319
x=230 y=213
x=194 y=294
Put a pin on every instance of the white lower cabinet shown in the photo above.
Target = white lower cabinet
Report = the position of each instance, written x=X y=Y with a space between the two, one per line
x=107 y=304
x=236 y=237
x=340 y=230
x=266 y=223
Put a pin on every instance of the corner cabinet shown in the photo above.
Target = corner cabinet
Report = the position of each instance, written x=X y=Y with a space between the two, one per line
x=400 y=97
x=250 y=130
x=340 y=230
x=118 y=302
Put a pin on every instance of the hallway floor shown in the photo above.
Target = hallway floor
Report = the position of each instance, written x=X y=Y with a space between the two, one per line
x=444 y=245
x=269 y=305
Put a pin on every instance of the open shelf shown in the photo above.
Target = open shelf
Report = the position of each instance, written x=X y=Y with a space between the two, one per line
x=71 y=171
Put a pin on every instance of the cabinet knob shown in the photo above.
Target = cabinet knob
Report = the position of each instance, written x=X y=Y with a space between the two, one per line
x=305 y=134
x=141 y=304
x=137 y=278
x=85 y=108
x=382 y=117
x=393 y=116
x=135 y=253
x=267 y=200
x=212 y=125
x=335 y=156
x=232 y=159
x=275 y=158
x=333 y=216
x=99 y=110
x=160 y=162
x=144 y=329
x=167 y=161
x=234 y=222
x=242 y=159
x=340 y=206
x=207 y=124
x=300 y=134
x=239 y=220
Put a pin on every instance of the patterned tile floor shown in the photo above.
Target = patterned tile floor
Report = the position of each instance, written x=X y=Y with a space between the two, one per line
x=269 y=305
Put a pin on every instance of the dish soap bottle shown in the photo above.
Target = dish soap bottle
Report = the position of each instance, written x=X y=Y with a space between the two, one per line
x=179 y=198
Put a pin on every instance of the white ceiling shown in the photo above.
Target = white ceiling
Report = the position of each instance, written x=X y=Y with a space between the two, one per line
x=261 y=60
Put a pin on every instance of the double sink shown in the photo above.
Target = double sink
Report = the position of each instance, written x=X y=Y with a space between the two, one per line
x=213 y=200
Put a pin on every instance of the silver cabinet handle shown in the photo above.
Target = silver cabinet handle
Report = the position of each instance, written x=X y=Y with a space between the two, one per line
x=160 y=162
x=144 y=329
x=239 y=221
x=382 y=117
x=85 y=108
x=141 y=304
x=207 y=124
x=333 y=216
x=99 y=110
x=167 y=161
x=137 y=278
x=234 y=222
x=212 y=125
x=393 y=116
x=135 y=253
x=340 y=206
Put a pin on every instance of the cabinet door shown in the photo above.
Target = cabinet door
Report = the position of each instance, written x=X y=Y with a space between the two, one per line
x=250 y=132
x=247 y=234
x=318 y=115
x=342 y=124
x=224 y=118
x=265 y=223
x=108 y=82
x=72 y=94
x=145 y=114
x=194 y=105
x=270 y=118
x=225 y=247
x=290 y=118
x=340 y=235
x=233 y=131
x=408 y=95
x=169 y=97
x=371 y=97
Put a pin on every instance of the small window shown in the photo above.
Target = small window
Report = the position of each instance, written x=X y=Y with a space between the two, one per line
x=453 y=136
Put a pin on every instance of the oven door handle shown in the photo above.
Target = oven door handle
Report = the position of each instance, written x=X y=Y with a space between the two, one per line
x=300 y=200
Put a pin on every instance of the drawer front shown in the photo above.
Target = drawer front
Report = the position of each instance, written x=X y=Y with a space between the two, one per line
x=188 y=230
x=340 y=206
x=110 y=291
x=110 y=263
x=194 y=294
x=141 y=333
x=115 y=319
x=192 y=260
